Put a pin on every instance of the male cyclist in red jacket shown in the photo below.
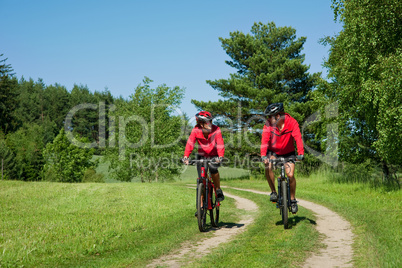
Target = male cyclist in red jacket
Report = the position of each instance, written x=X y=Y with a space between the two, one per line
x=210 y=144
x=278 y=137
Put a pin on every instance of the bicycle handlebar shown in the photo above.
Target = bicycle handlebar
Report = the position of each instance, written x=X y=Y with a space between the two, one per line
x=203 y=161
x=282 y=160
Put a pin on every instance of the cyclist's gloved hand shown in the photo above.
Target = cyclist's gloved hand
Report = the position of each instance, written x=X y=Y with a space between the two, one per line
x=185 y=160
x=300 y=157
x=264 y=159
x=216 y=161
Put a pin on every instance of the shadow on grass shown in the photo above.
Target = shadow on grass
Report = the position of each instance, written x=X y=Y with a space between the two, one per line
x=224 y=225
x=293 y=221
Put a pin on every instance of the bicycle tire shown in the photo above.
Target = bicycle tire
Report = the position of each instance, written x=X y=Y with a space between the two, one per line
x=214 y=215
x=201 y=207
x=285 y=208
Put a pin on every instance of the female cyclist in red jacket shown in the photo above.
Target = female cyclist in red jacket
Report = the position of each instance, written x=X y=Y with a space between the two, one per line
x=278 y=137
x=210 y=144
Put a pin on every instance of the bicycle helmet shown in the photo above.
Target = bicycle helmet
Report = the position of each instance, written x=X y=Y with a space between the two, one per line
x=274 y=109
x=204 y=116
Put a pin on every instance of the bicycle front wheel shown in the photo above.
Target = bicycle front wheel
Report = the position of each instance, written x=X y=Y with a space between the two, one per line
x=214 y=203
x=285 y=209
x=202 y=207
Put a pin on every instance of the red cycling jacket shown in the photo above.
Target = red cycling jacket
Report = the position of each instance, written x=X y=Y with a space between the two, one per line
x=213 y=146
x=282 y=142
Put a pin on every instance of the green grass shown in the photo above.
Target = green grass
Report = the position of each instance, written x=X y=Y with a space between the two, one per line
x=375 y=214
x=94 y=225
x=129 y=224
x=266 y=243
x=189 y=173
x=226 y=173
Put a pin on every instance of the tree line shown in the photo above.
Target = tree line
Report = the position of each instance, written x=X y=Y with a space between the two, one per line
x=350 y=119
x=32 y=115
x=38 y=142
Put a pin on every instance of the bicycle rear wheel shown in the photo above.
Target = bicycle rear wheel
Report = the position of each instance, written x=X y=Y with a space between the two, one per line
x=214 y=216
x=202 y=207
x=285 y=209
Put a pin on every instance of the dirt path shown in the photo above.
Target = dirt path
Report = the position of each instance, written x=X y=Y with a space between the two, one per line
x=337 y=233
x=338 y=236
x=189 y=251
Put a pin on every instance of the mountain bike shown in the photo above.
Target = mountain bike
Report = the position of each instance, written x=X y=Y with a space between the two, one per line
x=206 y=202
x=284 y=202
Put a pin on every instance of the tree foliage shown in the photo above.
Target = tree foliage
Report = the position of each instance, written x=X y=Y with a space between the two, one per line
x=365 y=67
x=149 y=134
x=64 y=161
x=85 y=121
x=90 y=122
x=33 y=148
x=32 y=113
x=7 y=97
x=9 y=168
x=27 y=144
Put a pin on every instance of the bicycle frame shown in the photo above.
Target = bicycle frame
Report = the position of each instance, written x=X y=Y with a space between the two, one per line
x=209 y=188
x=207 y=197
x=284 y=202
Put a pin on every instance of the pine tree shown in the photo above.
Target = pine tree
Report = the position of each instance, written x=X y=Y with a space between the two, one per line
x=270 y=69
x=64 y=161
x=8 y=86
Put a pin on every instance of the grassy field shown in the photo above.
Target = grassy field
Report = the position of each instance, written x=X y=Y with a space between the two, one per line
x=189 y=173
x=226 y=173
x=129 y=224
x=94 y=225
x=266 y=243
x=375 y=214
x=125 y=225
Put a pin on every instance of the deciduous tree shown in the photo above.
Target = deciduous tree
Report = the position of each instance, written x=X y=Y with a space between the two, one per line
x=365 y=64
x=147 y=140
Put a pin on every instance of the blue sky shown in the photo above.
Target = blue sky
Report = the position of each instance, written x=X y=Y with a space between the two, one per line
x=114 y=44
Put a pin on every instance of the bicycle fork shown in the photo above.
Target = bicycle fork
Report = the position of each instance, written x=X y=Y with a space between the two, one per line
x=207 y=185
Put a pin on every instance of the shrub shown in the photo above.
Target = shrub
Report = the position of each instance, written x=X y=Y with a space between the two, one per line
x=90 y=175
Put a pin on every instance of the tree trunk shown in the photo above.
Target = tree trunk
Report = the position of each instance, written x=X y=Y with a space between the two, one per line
x=385 y=170
x=390 y=176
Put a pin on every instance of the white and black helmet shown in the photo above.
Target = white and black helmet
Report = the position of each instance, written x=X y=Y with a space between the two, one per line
x=274 y=109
